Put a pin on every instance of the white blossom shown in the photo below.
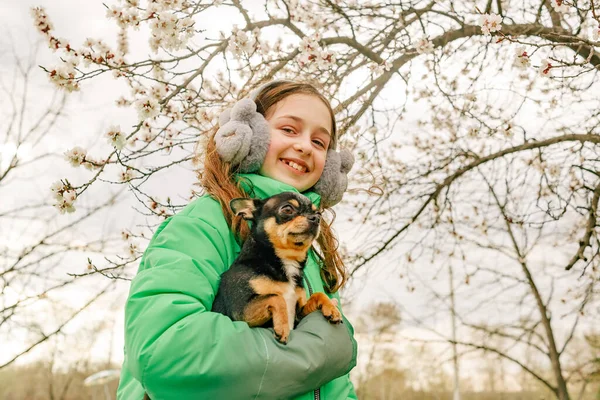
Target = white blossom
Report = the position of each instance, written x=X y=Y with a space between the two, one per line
x=545 y=68
x=354 y=129
x=132 y=249
x=306 y=13
x=127 y=175
x=125 y=234
x=172 y=4
x=64 y=207
x=559 y=6
x=379 y=69
x=205 y=116
x=158 y=72
x=146 y=135
x=169 y=31
x=147 y=107
x=472 y=97
x=69 y=196
x=64 y=77
x=596 y=34
x=41 y=21
x=241 y=42
x=124 y=17
x=264 y=47
x=122 y=102
x=325 y=59
x=305 y=58
x=132 y=16
x=506 y=132
x=116 y=13
x=490 y=23
x=311 y=18
x=310 y=43
x=171 y=132
x=76 y=156
x=132 y=142
x=313 y=55
x=152 y=9
x=72 y=60
x=159 y=91
x=64 y=197
x=57 y=188
x=424 y=46
x=522 y=60
x=116 y=138
x=89 y=42
x=164 y=24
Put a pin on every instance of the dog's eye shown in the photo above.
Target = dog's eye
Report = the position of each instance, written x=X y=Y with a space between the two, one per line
x=287 y=209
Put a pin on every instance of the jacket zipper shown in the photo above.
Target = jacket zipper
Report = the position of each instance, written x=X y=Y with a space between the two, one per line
x=317 y=393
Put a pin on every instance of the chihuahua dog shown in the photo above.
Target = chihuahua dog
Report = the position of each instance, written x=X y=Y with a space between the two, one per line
x=264 y=285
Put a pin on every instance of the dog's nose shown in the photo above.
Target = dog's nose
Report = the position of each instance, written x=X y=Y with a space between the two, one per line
x=314 y=218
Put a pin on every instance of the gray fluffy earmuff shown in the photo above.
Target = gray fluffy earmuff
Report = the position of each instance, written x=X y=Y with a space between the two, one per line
x=243 y=136
x=243 y=140
x=334 y=180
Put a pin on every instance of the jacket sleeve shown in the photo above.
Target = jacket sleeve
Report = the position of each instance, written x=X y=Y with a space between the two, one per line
x=352 y=394
x=178 y=349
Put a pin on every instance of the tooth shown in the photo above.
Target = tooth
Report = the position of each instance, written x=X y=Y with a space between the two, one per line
x=295 y=166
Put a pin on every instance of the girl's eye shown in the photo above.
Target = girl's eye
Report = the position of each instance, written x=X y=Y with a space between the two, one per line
x=319 y=143
x=288 y=130
x=287 y=209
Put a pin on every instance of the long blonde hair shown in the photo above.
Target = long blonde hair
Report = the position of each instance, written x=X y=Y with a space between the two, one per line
x=218 y=180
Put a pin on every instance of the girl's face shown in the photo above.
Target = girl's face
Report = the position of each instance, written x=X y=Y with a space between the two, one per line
x=300 y=136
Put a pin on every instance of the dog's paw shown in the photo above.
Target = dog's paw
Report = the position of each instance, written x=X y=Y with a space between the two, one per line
x=331 y=313
x=282 y=335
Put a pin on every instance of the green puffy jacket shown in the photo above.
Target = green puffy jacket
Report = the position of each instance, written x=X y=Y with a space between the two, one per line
x=176 y=348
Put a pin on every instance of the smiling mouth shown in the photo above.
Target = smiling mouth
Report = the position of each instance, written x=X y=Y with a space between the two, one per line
x=293 y=165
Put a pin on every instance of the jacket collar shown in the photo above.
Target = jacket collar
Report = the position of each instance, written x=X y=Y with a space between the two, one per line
x=262 y=187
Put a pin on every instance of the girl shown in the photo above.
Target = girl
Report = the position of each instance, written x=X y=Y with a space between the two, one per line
x=175 y=347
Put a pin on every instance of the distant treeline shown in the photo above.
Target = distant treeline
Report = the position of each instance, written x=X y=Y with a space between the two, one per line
x=419 y=395
x=42 y=381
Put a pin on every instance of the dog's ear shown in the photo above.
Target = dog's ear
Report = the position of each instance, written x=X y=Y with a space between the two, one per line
x=245 y=207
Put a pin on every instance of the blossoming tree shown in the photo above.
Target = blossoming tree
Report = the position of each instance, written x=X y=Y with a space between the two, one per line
x=39 y=248
x=437 y=99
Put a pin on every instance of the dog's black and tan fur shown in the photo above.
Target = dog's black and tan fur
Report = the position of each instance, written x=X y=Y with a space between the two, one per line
x=264 y=285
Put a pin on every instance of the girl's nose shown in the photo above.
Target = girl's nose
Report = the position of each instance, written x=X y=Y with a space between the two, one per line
x=303 y=146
